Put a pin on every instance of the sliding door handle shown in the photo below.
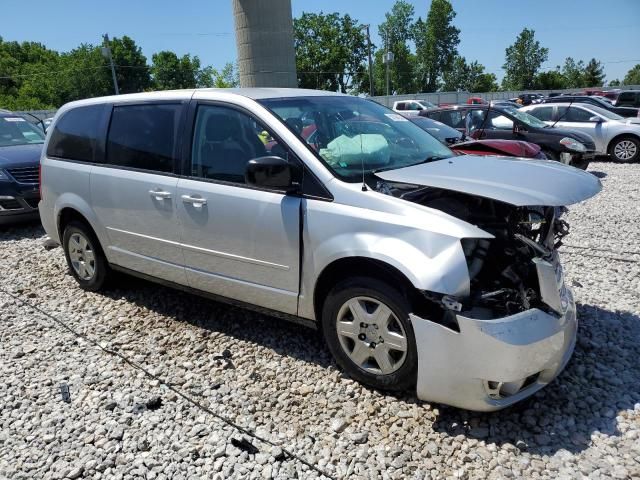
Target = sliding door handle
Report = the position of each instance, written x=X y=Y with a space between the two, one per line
x=159 y=194
x=197 y=202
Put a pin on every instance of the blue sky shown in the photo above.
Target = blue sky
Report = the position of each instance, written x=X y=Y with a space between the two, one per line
x=581 y=29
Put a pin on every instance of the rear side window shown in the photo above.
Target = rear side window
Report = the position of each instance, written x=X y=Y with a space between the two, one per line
x=543 y=113
x=143 y=136
x=76 y=134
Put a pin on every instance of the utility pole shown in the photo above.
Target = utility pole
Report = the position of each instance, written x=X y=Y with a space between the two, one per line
x=366 y=27
x=106 y=52
x=388 y=58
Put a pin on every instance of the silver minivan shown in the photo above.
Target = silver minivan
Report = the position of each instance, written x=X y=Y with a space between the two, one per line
x=423 y=269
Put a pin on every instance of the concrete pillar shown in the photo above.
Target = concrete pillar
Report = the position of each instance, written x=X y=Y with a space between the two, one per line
x=264 y=39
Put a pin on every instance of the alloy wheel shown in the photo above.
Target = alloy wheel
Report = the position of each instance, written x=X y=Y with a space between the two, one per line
x=625 y=150
x=371 y=335
x=82 y=256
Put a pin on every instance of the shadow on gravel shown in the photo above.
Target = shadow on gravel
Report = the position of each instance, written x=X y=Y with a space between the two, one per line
x=598 y=174
x=22 y=230
x=283 y=337
x=601 y=380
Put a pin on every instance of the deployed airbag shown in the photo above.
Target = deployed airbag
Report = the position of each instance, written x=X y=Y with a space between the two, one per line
x=345 y=151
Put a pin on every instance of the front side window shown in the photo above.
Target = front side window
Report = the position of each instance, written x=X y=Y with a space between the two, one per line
x=577 y=115
x=143 y=136
x=75 y=135
x=225 y=139
x=356 y=136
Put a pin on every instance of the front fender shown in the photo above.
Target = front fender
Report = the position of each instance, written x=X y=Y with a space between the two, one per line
x=423 y=244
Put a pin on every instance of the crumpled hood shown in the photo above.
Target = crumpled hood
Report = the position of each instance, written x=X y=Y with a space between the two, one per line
x=20 y=155
x=519 y=183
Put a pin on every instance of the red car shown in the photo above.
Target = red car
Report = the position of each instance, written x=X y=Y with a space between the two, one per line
x=458 y=142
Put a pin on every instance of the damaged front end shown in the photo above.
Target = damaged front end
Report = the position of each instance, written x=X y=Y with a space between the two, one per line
x=514 y=330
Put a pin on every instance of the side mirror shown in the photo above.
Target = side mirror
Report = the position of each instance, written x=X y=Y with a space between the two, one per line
x=517 y=128
x=272 y=172
x=595 y=119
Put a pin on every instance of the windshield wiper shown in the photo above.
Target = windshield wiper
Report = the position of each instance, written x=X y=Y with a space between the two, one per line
x=432 y=158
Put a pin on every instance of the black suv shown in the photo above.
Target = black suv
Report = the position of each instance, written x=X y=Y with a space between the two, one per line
x=484 y=121
x=624 y=98
x=20 y=148
x=597 y=101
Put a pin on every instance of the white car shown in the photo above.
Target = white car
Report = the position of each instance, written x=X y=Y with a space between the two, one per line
x=410 y=108
x=614 y=135
x=422 y=269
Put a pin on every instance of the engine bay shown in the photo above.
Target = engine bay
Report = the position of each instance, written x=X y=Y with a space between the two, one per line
x=503 y=276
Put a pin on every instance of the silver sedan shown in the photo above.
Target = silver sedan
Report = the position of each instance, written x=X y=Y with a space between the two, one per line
x=614 y=135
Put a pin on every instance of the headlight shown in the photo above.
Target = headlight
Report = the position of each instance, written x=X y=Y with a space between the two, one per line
x=572 y=144
x=3 y=176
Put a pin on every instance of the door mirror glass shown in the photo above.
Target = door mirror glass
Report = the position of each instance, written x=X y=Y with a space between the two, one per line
x=272 y=172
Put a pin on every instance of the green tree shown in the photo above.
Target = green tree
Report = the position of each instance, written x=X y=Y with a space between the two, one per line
x=132 y=72
x=468 y=77
x=395 y=32
x=573 y=73
x=615 y=83
x=633 y=76
x=227 y=77
x=330 y=51
x=523 y=60
x=551 y=80
x=172 y=72
x=594 y=74
x=436 y=41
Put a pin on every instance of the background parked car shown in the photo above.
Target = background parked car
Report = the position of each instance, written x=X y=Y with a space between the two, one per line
x=624 y=98
x=486 y=122
x=613 y=135
x=598 y=102
x=20 y=148
x=412 y=107
x=460 y=143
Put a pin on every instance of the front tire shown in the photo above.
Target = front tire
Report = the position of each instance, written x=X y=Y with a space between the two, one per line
x=366 y=325
x=85 y=257
x=625 y=149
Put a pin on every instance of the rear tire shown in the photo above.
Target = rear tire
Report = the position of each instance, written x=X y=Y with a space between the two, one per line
x=85 y=258
x=366 y=325
x=625 y=149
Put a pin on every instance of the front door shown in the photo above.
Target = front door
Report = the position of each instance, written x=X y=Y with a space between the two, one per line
x=578 y=118
x=134 y=193
x=239 y=242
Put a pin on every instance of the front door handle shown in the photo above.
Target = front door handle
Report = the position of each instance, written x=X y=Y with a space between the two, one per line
x=197 y=202
x=159 y=194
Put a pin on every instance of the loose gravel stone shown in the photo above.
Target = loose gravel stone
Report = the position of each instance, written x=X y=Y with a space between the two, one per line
x=279 y=381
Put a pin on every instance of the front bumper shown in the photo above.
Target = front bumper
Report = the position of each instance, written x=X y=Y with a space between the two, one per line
x=491 y=364
x=18 y=202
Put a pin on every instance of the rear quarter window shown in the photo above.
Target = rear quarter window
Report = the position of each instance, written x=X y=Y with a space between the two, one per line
x=75 y=135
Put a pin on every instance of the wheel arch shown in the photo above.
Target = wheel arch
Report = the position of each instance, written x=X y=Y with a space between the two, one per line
x=613 y=141
x=346 y=267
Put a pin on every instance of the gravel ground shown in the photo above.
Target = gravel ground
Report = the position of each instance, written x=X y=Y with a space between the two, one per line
x=215 y=375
